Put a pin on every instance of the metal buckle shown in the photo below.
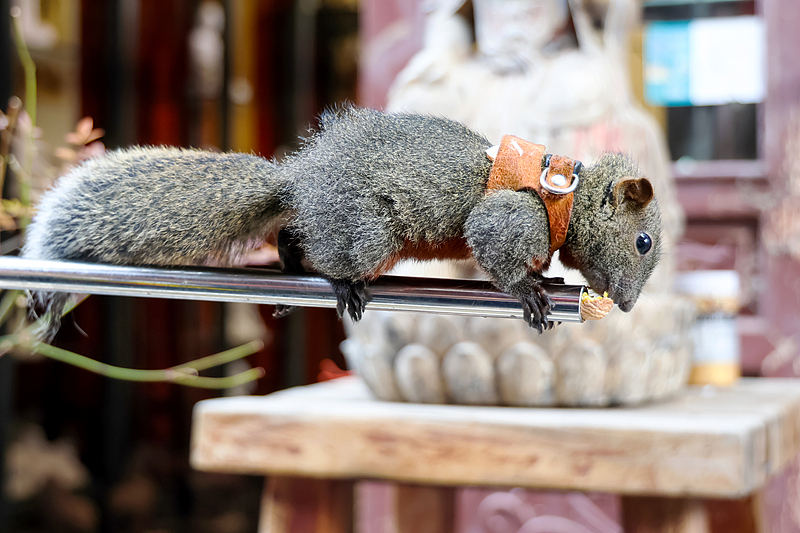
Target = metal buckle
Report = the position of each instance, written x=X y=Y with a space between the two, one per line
x=559 y=180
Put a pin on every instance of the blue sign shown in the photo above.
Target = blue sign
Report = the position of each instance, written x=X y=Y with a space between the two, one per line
x=705 y=61
x=666 y=63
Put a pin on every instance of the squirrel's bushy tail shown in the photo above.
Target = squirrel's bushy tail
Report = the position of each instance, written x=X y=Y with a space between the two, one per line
x=48 y=308
x=154 y=206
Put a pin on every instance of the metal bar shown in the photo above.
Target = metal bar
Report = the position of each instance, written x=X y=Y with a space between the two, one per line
x=269 y=286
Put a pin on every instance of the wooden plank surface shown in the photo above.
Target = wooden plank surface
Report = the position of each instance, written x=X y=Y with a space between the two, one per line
x=708 y=442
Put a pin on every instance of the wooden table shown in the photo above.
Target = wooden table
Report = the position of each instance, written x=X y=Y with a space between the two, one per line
x=665 y=458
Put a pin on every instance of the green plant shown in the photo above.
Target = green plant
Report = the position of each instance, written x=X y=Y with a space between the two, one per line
x=18 y=152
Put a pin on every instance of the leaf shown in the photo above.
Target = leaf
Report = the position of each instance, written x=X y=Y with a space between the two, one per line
x=93 y=150
x=10 y=204
x=67 y=154
x=84 y=127
x=95 y=134
x=74 y=138
x=7 y=222
x=24 y=123
x=15 y=208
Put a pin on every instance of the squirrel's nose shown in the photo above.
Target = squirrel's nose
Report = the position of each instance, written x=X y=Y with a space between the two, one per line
x=627 y=305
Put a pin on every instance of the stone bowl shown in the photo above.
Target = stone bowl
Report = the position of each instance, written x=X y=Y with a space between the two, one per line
x=623 y=359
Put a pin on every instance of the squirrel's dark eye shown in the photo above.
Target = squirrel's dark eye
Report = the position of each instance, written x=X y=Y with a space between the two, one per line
x=643 y=243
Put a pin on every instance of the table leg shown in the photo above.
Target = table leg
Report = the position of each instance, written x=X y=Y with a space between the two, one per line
x=737 y=516
x=647 y=514
x=680 y=515
x=306 y=505
x=425 y=509
x=389 y=507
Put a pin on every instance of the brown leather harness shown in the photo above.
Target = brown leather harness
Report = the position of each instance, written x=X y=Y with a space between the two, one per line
x=520 y=165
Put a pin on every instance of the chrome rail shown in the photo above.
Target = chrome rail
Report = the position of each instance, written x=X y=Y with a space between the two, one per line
x=269 y=286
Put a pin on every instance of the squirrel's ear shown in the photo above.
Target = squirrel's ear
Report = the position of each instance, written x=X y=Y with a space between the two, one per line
x=639 y=191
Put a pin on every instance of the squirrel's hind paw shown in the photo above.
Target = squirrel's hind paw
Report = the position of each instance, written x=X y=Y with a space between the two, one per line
x=282 y=310
x=535 y=307
x=352 y=296
x=46 y=309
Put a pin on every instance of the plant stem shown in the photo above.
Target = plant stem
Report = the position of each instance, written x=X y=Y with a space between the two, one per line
x=7 y=136
x=30 y=107
x=28 y=66
x=223 y=357
x=184 y=374
x=7 y=304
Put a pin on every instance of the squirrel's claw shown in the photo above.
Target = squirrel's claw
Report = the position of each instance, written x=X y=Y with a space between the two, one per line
x=530 y=313
x=282 y=310
x=352 y=296
x=535 y=307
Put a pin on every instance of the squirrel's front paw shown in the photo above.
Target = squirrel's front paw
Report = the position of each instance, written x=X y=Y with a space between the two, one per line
x=535 y=306
x=350 y=295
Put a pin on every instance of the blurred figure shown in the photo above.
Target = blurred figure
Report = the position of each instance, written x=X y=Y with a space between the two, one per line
x=532 y=77
x=552 y=73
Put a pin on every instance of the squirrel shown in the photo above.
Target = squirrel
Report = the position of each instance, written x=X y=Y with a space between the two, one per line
x=365 y=190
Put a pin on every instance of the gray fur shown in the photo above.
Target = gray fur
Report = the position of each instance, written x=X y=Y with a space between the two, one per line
x=368 y=181
x=506 y=232
x=601 y=240
x=360 y=188
x=157 y=206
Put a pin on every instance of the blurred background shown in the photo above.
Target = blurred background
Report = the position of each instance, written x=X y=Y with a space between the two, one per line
x=252 y=76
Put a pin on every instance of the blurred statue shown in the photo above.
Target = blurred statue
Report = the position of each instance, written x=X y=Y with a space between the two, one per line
x=532 y=76
x=207 y=49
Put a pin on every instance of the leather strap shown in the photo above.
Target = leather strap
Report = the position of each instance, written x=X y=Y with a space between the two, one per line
x=519 y=165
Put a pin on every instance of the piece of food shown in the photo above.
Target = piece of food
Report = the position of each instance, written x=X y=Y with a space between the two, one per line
x=595 y=307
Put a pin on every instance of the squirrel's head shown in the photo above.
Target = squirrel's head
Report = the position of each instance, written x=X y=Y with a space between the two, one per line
x=614 y=237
